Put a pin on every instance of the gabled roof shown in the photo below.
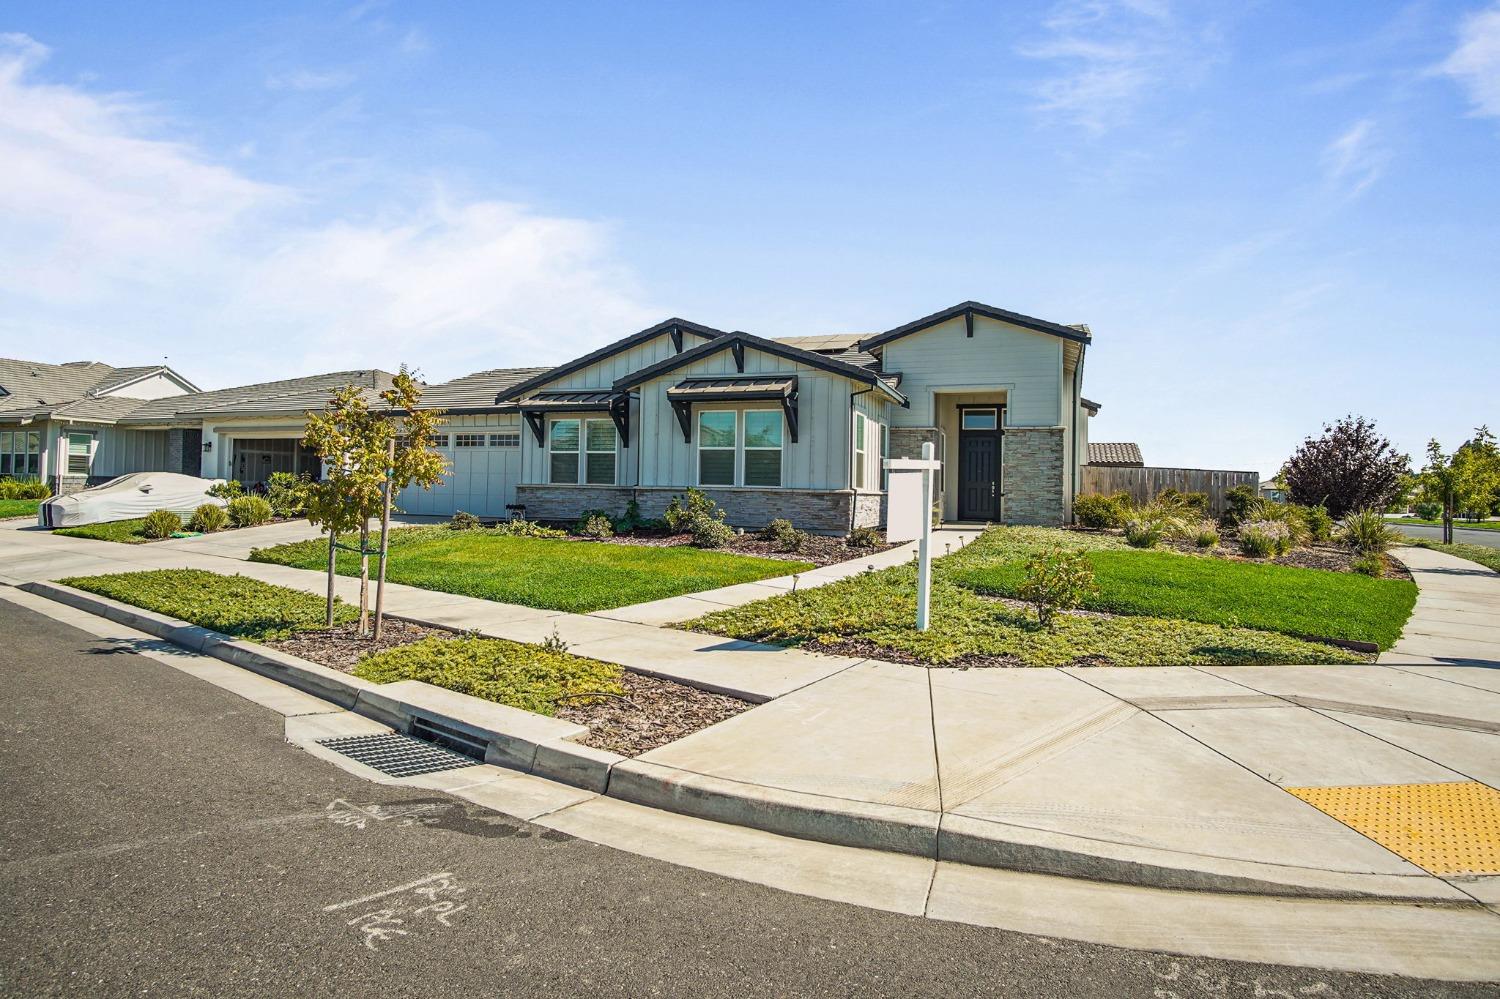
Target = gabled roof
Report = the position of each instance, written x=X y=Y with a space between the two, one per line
x=289 y=395
x=739 y=341
x=125 y=377
x=80 y=390
x=608 y=350
x=1077 y=334
x=1117 y=455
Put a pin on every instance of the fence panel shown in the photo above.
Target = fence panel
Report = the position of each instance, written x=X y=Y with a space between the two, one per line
x=1144 y=484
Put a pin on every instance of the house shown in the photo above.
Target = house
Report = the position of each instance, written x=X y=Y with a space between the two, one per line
x=1273 y=491
x=794 y=427
x=1115 y=455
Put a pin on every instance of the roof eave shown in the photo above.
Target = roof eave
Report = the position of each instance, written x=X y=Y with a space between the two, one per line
x=1032 y=323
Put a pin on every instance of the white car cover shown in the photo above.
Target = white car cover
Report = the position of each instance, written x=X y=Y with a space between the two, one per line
x=129 y=496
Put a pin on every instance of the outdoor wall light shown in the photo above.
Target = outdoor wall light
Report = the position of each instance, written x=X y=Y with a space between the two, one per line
x=208 y=446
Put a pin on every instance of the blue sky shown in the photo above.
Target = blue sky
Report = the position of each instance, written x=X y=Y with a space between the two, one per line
x=1271 y=214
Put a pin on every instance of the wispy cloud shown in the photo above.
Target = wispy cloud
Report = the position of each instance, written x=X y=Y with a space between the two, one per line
x=121 y=236
x=1475 y=64
x=306 y=79
x=1110 y=55
x=1355 y=159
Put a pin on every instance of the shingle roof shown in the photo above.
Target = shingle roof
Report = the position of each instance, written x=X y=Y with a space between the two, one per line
x=479 y=390
x=290 y=395
x=32 y=385
x=1115 y=454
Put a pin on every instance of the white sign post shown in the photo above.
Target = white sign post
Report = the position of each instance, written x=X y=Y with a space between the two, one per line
x=909 y=515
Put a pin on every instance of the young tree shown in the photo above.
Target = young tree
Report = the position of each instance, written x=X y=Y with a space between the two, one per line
x=1350 y=467
x=1465 y=481
x=363 y=460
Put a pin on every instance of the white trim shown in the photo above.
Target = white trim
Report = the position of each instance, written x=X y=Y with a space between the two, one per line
x=733 y=449
x=577 y=452
x=586 y=452
x=780 y=449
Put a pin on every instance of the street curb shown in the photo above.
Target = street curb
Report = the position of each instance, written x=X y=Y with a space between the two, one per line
x=534 y=744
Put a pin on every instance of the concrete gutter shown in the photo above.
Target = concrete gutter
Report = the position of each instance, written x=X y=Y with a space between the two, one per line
x=547 y=747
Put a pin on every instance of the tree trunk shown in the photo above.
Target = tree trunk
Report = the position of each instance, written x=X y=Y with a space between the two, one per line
x=1447 y=520
x=333 y=541
x=364 y=578
x=385 y=541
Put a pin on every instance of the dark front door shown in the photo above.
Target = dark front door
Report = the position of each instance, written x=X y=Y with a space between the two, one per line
x=979 y=464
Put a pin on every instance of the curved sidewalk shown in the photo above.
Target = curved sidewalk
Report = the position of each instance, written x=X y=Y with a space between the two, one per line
x=1457 y=617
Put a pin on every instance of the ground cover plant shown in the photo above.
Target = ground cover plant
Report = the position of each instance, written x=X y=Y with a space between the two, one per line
x=235 y=605
x=578 y=576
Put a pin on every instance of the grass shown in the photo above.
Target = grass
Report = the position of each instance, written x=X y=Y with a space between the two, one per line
x=1276 y=598
x=529 y=677
x=19 y=508
x=879 y=608
x=577 y=576
x=1458 y=525
x=126 y=532
x=1485 y=556
x=235 y=605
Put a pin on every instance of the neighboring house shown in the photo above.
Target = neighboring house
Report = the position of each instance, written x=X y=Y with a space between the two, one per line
x=1115 y=455
x=1273 y=492
x=796 y=427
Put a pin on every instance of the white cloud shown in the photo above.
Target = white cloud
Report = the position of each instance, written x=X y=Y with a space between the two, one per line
x=1111 y=54
x=135 y=245
x=1355 y=159
x=306 y=79
x=1476 y=61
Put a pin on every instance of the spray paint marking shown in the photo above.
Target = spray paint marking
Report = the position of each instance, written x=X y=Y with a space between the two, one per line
x=434 y=898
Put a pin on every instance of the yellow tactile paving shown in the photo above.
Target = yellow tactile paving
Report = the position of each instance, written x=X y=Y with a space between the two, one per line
x=1445 y=829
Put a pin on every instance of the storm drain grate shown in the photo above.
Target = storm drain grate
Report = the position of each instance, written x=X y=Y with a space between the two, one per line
x=397 y=755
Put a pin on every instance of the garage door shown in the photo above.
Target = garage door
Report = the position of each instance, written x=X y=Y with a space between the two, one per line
x=484 y=469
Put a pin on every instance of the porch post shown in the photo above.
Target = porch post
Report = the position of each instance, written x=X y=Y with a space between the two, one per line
x=924 y=543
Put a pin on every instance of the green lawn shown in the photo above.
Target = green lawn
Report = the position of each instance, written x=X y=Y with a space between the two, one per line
x=126 y=532
x=879 y=608
x=235 y=605
x=18 y=508
x=578 y=576
x=1219 y=591
x=1462 y=525
x=1484 y=555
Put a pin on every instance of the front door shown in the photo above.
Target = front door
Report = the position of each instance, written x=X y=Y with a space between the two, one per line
x=979 y=464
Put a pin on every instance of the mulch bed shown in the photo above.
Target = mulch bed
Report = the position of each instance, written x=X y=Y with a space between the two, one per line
x=816 y=549
x=652 y=713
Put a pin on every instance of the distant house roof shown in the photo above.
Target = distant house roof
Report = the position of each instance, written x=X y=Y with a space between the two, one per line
x=289 y=395
x=1116 y=455
x=80 y=390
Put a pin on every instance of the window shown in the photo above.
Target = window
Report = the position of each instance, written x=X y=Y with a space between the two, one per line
x=469 y=440
x=438 y=440
x=79 y=448
x=5 y=452
x=562 y=442
x=979 y=419
x=21 y=452
x=599 y=439
x=859 y=450
x=885 y=452
x=763 y=447
x=508 y=439
x=716 y=447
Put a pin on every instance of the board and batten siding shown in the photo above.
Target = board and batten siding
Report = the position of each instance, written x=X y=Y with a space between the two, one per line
x=603 y=374
x=819 y=459
x=480 y=480
x=1026 y=365
x=118 y=451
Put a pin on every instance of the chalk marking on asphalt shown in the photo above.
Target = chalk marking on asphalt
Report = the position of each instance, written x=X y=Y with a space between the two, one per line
x=389 y=891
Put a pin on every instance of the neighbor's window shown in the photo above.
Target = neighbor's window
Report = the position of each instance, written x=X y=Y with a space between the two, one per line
x=79 y=446
x=468 y=440
x=599 y=438
x=763 y=447
x=562 y=442
x=33 y=453
x=510 y=438
x=979 y=419
x=859 y=450
x=5 y=450
x=716 y=446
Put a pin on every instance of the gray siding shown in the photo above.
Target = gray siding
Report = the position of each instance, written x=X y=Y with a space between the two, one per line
x=480 y=480
x=603 y=374
x=1027 y=365
x=118 y=451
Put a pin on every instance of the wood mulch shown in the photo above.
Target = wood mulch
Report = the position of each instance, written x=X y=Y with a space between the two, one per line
x=816 y=549
x=652 y=713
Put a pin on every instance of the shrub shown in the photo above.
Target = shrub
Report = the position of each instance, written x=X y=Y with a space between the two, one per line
x=160 y=524
x=463 y=522
x=1371 y=565
x=1056 y=581
x=24 y=488
x=1141 y=532
x=632 y=519
x=208 y=518
x=1239 y=505
x=1318 y=521
x=248 y=511
x=683 y=509
x=1206 y=535
x=228 y=490
x=783 y=535
x=1265 y=538
x=1366 y=532
x=1289 y=515
x=288 y=493
x=710 y=532
x=1099 y=511
x=1428 y=510
x=595 y=524
x=1350 y=467
x=527 y=529
x=864 y=537
x=1195 y=503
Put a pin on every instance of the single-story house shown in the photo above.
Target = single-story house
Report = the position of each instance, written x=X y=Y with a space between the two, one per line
x=794 y=427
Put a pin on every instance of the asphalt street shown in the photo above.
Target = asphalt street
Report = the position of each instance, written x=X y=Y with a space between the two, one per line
x=1489 y=539
x=160 y=837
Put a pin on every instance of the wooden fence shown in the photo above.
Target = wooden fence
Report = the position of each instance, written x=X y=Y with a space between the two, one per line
x=1143 y=484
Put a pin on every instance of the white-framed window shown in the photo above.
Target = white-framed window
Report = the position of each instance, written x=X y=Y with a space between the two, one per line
x=885 y=452
x=562 y=451
x=861 y=431
x=599 y=440
x=468 y=440
x=20 y=452
x=718 y=438
x=762 y=462
x=506 y=438
x=80 y=452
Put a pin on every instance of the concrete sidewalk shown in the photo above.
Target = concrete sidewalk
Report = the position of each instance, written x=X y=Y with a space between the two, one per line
x=1457 y=617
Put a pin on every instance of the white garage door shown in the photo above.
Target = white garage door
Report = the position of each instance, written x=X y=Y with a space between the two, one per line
x=485 y=465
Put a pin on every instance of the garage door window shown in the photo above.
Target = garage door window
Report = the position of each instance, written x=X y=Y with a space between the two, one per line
x=469 y=440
